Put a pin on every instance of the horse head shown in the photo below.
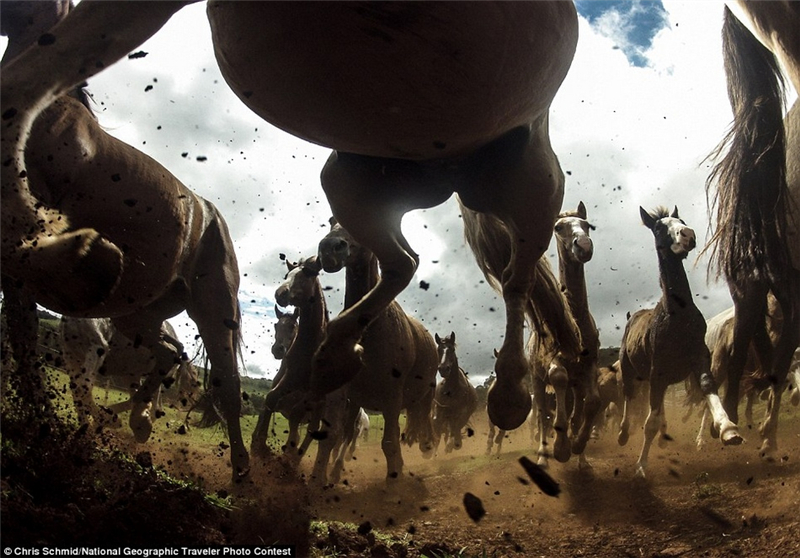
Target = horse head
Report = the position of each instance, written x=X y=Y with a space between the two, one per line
x=301 y=284
x=338 y=249
x=670 y=231
x=572 y=233
x=285 y=332
x=448 y=361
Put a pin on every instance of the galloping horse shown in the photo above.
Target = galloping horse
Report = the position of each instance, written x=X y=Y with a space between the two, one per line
x=665 y=344
x=92 y=348
x=455 y=399
x=399 y=356
x=292 y=384
x=418 y=100
x=756 y=245
x=168 y=249
x=575 y=248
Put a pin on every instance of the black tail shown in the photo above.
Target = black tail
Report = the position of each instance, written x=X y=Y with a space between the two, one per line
x=751 y=198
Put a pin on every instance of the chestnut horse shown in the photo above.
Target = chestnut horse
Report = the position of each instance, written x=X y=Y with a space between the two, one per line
x=167 y=249
x=418 y=100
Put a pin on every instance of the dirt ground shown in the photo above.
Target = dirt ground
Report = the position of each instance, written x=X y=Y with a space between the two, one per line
x=718 y=502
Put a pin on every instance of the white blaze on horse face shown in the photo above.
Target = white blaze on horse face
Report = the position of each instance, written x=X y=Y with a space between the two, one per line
x=683 y=238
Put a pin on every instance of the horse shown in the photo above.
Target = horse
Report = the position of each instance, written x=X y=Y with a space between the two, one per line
x=301 y=288
x=399 y=358
x=168 y=249
x=91 y=349
x=575 y=249
x=455 y=399
x=754 y=380
x=360 y=431
x=285 y=332
x=435 y=105
x=663 y=345
x=757 y=196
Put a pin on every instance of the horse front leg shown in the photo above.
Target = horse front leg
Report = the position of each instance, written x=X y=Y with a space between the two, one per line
x=558 y=378
x=369 y=197
x=721 y=422
x=518 y=180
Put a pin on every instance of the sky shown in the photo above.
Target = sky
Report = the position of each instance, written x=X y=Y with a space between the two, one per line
x=643 y=104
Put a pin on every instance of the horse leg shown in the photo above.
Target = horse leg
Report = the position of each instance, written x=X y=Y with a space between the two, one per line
x=750 y=303
x=769 y=428
x=590 y=395
x=627 y=373
x=22 y=328
x=390 y=444
x=369 y=197
x=543 y=417
x=652 y=424
x=557 y=377
x=700 y=441
x=794 y=379
x=518 y=180
x=490 y=441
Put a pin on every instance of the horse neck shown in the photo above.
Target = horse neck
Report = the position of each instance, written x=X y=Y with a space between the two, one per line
x=573 y=279
x=360 y=277
x=676 y=293
x=312 y=321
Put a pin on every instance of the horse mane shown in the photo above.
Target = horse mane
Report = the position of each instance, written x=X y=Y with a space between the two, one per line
x=751 y=194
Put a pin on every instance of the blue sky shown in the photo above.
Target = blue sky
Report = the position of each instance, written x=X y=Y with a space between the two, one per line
x=642 y=106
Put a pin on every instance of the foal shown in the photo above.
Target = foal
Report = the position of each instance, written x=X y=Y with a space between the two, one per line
x=665 y=344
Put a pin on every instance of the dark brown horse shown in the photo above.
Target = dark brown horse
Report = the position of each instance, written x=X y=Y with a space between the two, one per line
x=455 y=399
x=164 y=248
x=418 y=100
x=665 y=344
x=399 y=357
x=756 y=246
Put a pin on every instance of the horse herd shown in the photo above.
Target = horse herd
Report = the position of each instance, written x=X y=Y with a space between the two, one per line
x=93 y=228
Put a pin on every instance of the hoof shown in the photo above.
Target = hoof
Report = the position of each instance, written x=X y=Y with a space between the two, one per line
x=561 y=448
x=508 y=405
x=730 y=435
x=622 y=437
x=141 y=427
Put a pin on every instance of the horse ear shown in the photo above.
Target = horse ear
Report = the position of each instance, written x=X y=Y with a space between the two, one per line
x=438 y=339
x=675 y=213
x=496 y=354
x=453 y=336
x=332 y=221
x=647 y=219
x=278 y=313
x=582 y=211
x=312 y=264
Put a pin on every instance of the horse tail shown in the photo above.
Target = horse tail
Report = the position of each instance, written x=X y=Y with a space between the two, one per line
x=751 y=197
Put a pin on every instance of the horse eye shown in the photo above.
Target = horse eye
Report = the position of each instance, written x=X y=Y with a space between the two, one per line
x=559 y=227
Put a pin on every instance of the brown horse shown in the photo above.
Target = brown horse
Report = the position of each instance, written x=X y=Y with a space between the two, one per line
x=169 y=249
x=665 y=344
x=418 y=100
x=93 y=349
x=756 y=245
x=399 y=356
x=455 y=399
x=292 y=384
x=575 y=249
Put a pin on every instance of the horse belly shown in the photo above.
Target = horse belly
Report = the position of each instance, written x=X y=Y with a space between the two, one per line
x=396 y=79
